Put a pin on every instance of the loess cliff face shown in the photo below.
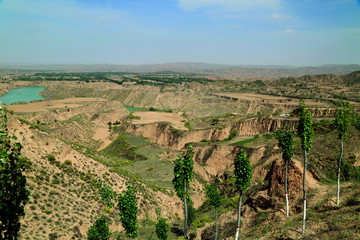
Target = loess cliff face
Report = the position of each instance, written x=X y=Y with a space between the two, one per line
x=166 y=136
x=260 y=125
x=295 y=179
x=217 y=159
x=323 y=112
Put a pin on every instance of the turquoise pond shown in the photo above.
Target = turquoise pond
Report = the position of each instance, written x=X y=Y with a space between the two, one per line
x=133 y=109
x=24 y=94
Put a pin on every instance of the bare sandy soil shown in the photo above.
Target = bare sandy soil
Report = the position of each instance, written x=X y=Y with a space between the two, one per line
x=102 y=133
x=150 y=117
x=267 y=98
x=42 y=106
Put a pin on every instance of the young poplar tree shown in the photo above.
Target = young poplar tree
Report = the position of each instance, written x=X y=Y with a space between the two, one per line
x=342 y=122
x=183 y=169
x=214 y=196
x=286 y=143
x=13 y=192
x=243 y=175
x=100 y=230
x=306 y=133
x=128 y=212
x=161 y=227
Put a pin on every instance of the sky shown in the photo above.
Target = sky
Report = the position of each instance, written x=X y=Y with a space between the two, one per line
x=239 y=32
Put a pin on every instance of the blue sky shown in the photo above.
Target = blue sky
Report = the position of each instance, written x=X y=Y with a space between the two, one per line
x=243 y=32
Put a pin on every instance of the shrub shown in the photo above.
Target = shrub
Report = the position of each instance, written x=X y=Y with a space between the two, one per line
x=47 y=211
x=188 y=125
x=214 y=121
x=233 y=133
x=51 y=158
x=68 y=162
x=161 y=229
x=53 y=236
x=357 y=174
x=346 y=171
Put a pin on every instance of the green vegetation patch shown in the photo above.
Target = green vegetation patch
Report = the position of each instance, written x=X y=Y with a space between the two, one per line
x=138 y=141
x=247 y=141
x=121 y=148
x=134 y=109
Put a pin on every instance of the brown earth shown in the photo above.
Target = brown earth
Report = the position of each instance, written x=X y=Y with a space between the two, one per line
x=295 y=180
x=87 y=123
x=102 y=133
x=164 y=135
x=42 y=106
x=175 y=119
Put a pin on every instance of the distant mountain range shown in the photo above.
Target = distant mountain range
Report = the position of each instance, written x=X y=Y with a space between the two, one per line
x=238 y=71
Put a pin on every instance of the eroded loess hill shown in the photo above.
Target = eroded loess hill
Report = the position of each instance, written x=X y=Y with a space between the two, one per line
x=65 y=199
x=64 y=196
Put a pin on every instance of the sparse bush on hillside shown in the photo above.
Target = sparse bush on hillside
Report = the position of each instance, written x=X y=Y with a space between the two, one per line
x=188 y=125
x=53 y=236
x=277 y=112
x=214 y=121
x=51 y=158
x=132 y=116
x=106 y=193
x=233 y=133
x=23 y=120
x=68 y=162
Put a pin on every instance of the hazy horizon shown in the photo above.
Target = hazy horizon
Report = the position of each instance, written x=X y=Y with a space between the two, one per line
x=234 y=32
x=4 y=64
